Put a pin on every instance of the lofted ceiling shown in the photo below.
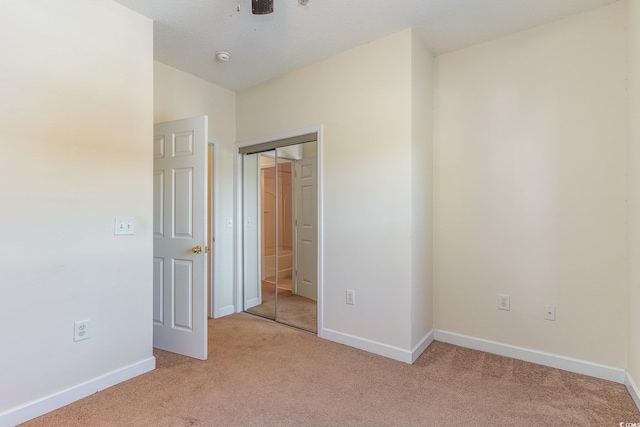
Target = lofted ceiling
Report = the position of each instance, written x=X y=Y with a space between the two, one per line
x=188 y=33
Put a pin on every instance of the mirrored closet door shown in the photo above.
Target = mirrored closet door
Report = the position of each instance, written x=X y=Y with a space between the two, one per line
x=280 y=233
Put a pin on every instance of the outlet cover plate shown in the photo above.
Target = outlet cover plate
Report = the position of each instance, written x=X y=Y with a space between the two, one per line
x=81 y=330
x=504 y=302
x=351 y=297
x=550 y=312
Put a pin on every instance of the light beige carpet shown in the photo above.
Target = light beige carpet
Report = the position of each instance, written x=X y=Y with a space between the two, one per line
x=260 y=373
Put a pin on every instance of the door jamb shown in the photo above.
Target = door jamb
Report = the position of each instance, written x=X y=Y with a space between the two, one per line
x=214 y=256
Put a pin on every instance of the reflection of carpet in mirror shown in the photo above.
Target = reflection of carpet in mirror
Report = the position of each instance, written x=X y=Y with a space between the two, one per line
x=293 y=310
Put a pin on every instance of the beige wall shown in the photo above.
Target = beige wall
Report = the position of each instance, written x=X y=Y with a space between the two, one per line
x=178 y=95
x=363 y=99
x=422 y=80
x=633 y=190
x=76 y=109
x=531 y=188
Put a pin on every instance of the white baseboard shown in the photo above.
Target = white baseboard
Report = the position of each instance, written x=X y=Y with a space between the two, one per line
x=534 y=356
x=57 y=400
x=633 y=389
x=381 y=349
x=224 y=311
x=422 y=345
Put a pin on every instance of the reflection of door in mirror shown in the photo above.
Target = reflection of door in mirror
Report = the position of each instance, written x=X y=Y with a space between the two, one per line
x=306 y=230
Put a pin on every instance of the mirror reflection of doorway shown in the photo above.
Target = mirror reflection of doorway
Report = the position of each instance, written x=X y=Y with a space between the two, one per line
x=280 y=234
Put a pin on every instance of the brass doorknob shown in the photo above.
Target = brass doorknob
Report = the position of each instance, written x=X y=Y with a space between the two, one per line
x=197 y=249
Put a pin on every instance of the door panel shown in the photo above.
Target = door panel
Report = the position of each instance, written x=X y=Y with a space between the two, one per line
x=158 y=291
x=183 y=294
x=158 y=203
x=179 y=225
x=183 y=203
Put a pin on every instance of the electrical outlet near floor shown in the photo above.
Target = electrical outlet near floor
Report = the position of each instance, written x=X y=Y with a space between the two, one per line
x=81 y=330
x=504 y=302
x=550 y=312
x=351 y=297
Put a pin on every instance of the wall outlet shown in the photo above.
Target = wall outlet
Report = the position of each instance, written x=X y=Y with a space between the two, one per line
x=351 y=297
x=550 y=312
x=81 y=330
x=504 y=302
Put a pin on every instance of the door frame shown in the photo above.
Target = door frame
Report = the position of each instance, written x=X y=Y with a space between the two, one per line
x=213 y=203
x=318 y=130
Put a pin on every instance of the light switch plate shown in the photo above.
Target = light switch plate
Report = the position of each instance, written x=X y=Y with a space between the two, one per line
x=124 y=226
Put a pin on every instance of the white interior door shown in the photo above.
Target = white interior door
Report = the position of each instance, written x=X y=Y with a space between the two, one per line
x=180 y=236
x=306 y=228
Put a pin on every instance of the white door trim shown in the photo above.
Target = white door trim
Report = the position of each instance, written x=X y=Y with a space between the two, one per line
x=238 y=199
x=214 y=262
